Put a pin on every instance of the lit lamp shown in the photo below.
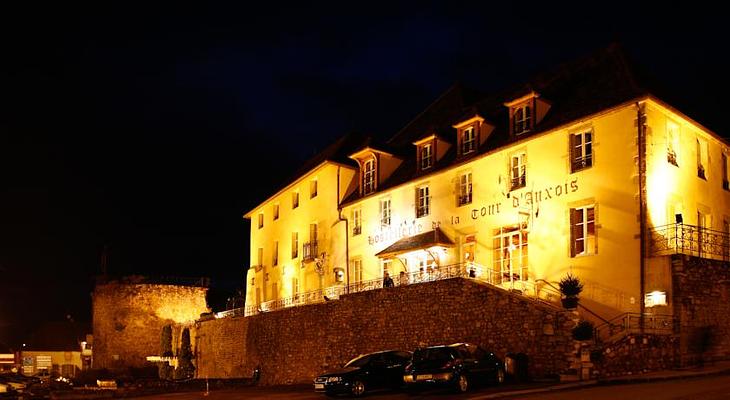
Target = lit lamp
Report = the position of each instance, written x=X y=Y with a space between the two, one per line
x=656 y=298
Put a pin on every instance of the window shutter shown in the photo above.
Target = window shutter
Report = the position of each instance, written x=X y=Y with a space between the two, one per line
x=573 y=230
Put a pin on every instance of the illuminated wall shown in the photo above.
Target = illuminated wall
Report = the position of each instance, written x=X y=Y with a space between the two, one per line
x=293 y=274
x=611 y=274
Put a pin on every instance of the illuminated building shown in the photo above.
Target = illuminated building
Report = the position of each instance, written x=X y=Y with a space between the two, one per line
x=580 y=171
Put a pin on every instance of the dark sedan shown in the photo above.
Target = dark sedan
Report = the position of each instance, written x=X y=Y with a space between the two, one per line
x=457 y=365
x=374 y=371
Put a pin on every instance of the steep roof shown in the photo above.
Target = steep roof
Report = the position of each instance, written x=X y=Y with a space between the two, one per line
x=577 y=89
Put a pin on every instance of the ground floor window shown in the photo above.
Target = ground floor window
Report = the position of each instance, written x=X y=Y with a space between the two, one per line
x=510 y=254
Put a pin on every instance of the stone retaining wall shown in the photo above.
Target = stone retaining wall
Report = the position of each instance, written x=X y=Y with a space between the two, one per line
x=702 y=304
x=296 y=344
x=637 y=354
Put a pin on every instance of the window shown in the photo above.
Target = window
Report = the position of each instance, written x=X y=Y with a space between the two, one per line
x=275 y=254
x=295 y=244
x=582 y=231
x=261 y=220
x=356 y=265
x=276 y=212
x=260 y=257
x=294 y=200
x=294 y=286
x=725 y=184
x=702 y=161
x=521 y=119
x=510 y=254
x=356 y=222
x=385 y=212
x=672 y=143
x=468 y=140
x=387 y=266
x=312 y=188
x=581 y=151
x=518 y=171
x=426 y=156
x=368 y=176
x=464 y=189
x=423 y=202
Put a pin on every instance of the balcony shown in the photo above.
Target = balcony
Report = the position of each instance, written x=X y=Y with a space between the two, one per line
x=464 y=199
x=356 y=230
x=579 y=163
x=690 y=240
x=310 y=250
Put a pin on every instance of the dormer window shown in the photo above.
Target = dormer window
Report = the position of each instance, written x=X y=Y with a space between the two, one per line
x=368 y=176
x=522 y=119
x=468 y=140
x=426 y=156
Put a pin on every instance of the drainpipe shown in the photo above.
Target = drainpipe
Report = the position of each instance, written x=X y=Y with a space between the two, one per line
x=347 y=233
x=641 y=140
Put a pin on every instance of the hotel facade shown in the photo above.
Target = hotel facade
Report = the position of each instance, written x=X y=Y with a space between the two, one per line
x=581 y=171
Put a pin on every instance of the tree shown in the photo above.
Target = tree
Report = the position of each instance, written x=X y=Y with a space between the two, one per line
x=185 y=368
x=165 y=369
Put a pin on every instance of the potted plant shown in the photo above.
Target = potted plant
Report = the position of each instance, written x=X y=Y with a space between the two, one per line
x=570 y=288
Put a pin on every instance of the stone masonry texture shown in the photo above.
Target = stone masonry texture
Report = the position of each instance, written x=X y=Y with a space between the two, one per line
x=702 y=304
x=296 y=344
x=128 y=319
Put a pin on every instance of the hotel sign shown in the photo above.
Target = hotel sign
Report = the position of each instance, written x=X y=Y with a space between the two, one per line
x=392 y=233
x=522 y=199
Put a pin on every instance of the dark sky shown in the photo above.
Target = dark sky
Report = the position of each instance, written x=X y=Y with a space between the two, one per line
x=152 y=129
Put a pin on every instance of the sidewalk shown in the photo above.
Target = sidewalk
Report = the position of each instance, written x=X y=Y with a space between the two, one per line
x=717 y=368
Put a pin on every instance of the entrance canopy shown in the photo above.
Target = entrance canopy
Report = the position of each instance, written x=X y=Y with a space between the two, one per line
x=422 y=241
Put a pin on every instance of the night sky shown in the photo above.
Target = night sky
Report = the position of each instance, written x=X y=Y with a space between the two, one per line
x=152 y=130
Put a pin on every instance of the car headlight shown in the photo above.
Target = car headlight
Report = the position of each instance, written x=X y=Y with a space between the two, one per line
x=334 y=379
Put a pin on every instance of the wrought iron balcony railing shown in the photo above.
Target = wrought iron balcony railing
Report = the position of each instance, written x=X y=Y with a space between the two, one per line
x=689 y=239
x=310 y=250
x=579 y=163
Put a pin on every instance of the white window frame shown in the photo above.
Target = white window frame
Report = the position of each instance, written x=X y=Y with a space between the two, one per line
x=426 y=155
x=673 y=143
x=276 y=211
x=468 y=140
x=356 y=221
x=313 y=188
x=294 y=199
x=261 y=220
x=581 y=232
x=581 y=155
x=465 y=194
x=518 y=170
x=524 y=121
x=357 y=273
x=511 y=246
x=385 y=212
x=294 y=245
x=423 y=201
x=703 y=158
x=368 y=176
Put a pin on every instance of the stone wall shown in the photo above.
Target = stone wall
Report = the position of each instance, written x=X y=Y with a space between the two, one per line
x=128 y=319
x=702 y=304
x=637 y=354
x=296 y=344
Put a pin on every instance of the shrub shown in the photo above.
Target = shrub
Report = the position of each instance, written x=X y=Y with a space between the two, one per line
x=185 y=368
x=164 y=369
x=570 y=286
x=583 y=331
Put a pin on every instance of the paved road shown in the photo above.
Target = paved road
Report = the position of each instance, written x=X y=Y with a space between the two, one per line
x=706 y=388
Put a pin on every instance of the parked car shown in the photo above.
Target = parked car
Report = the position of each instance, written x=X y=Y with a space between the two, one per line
x=366 y=372
x=14 y=381
x=457 y=365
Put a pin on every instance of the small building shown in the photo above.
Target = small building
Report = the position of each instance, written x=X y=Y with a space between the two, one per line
x=7 y=358
x=56 y=348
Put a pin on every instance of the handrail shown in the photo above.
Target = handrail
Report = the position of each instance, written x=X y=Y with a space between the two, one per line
x=680 y=238
x=631 y=322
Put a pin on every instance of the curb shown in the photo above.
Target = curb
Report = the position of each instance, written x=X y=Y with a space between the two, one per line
x=606 y=382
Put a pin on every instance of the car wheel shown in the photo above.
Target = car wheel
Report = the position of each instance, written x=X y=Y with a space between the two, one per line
x=358 y=388
x=462 y=384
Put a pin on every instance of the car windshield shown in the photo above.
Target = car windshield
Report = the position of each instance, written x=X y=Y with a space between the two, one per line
x=359 y=361
x=436 y=353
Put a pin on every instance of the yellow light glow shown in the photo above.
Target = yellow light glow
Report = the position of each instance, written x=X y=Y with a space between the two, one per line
x=656 y=298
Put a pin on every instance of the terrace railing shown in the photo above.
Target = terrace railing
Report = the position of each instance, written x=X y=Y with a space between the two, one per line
x=628 y=323
x=689 y=239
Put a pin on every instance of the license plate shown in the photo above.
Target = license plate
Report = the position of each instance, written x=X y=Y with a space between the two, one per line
x=319 y=385
x=424 y=377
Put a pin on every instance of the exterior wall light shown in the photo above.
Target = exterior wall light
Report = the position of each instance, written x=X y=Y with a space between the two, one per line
x=656 y=298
